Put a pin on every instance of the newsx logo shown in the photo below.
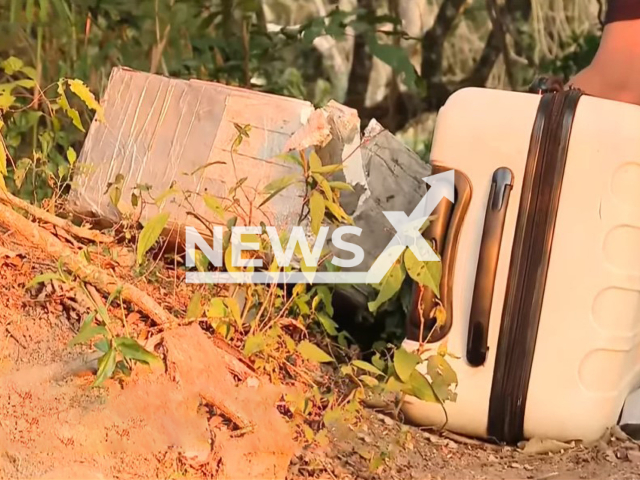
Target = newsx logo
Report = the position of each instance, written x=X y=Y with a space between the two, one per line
x=407 y=236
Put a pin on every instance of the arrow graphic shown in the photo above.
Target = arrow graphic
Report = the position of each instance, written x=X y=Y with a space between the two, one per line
x=408 y=227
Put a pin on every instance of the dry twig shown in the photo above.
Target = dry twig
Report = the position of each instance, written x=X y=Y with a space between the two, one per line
x=78 y=232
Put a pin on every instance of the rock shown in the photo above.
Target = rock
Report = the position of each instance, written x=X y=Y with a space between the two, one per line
x=633 y=456
x=610 y=455
x=620 y=453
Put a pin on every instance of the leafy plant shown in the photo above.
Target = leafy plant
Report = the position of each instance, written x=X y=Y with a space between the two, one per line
x=119 y=352
x=38 y=128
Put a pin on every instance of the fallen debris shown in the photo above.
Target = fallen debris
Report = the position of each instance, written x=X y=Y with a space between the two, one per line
x=37 y=237
x=539 y=446
x=79 y=232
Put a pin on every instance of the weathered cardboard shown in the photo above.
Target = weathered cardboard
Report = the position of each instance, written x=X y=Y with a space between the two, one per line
x=159 y=130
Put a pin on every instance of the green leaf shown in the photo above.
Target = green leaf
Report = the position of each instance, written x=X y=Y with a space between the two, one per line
x=328 y=169
x=6 y=100
x=194 y=310
x=302 y=306
x=437 y=367
x=377 y=361
x=234 y=308
x=421 y=388
x=12 y=65
x=367 y=367
x=313 y=30
x=202 y=262
x=325 y=295
x=205 y=166
x=102 y=345
x=132 y=350
x=440 y=314
x=106 y=366
x=277 y=186
x=290 y=158
x=82 y=91
x=166 y=194
x=404 y=363
x=316 y=207
x=396 y=57
x=87 y=331
x=217 y=308
x=310 y=352
x=327 y=323
x=254 y=344
x=338 y=212
x=228 y=260
x=238 y=184
x=20 y=172
x=281 y=183
x=71 y=156
x=390 y=286
x=367 y=380
x=341 y=186
x=124 y=368
x=395 y=385
x=214 y=205
x=71 y=112
x=3 y=160
x=425 y=273
x=324 y=186
x=30 y=72
x=115 y=194
x=314 y=162
x=150 y=234
x=45 y=277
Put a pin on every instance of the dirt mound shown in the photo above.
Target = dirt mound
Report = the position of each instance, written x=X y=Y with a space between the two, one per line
x=207 y=414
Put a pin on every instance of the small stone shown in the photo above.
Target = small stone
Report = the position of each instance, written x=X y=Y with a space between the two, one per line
x=633 y=456
x=515 y=465
x=621 y=454
x=528 y=468
x=610 y=455
x=492 y=458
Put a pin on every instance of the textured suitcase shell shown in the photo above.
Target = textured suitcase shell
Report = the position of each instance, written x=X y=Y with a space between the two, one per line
x=587 y=351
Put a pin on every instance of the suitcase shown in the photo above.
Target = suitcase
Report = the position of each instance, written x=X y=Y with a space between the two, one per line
x=541 y=264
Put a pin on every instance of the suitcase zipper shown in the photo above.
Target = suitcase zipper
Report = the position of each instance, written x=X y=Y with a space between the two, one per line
x=542 y=184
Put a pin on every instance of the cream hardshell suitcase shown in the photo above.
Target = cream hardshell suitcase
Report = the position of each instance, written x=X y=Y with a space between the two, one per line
x=541 y=264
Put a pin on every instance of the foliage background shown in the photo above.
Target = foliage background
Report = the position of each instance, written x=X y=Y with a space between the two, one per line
x=450 y=43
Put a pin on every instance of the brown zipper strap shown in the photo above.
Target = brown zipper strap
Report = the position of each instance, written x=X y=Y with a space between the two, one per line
x=542 y=185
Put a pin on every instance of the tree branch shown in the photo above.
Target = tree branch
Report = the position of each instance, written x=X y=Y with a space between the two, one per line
x=361 y=67
x=432 y=51
x=408 y=105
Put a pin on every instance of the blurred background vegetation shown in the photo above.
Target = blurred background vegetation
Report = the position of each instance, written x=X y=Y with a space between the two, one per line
x=395 y=60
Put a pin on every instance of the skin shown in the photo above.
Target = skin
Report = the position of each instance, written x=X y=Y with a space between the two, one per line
x=614 y=73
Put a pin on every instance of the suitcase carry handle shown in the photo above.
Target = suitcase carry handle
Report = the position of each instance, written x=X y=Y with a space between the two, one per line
x=443 y=233
x=477 y=338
